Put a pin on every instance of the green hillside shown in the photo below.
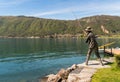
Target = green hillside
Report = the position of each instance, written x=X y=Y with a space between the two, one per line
x=21 y=26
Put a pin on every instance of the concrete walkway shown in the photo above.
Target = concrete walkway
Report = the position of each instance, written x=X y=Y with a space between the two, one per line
x=84 y=73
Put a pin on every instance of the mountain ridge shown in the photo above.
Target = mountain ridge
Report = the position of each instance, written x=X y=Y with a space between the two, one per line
x=23 y=26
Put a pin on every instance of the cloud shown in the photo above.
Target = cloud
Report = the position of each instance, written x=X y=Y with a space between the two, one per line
x=85 y=8
x=6 y=3
x=59 y=11
x=63 y=9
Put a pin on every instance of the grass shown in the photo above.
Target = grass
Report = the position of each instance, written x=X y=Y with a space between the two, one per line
x=107 y=75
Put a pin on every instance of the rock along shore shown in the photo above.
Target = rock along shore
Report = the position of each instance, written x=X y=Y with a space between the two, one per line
x=77 y=73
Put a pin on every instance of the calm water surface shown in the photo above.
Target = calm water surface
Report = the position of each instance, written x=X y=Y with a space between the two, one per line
x=26 y=60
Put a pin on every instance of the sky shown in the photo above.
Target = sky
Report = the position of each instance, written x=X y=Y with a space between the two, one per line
x=59 y=9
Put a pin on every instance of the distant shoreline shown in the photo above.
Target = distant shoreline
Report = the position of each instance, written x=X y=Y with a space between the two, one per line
x=48 y=36
x=62 y=36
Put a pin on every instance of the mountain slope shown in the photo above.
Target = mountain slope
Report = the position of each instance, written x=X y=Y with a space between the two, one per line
x=21 y=26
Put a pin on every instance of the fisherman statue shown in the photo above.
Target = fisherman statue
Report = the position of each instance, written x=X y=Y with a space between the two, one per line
x=93 y=45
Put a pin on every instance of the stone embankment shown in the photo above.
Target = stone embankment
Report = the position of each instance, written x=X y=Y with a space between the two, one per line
x=77 y=73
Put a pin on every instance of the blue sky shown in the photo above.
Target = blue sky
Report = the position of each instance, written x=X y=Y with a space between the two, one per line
x=59 y=9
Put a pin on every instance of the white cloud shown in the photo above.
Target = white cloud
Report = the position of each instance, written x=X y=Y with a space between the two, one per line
x=59 y=11
x=6 y=3
x=85 y=8
x=79 y=9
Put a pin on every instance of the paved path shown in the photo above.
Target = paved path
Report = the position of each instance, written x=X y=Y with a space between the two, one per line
x=84 y=73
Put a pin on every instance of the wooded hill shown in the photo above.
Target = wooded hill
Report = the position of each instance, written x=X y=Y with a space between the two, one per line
x=21 y=26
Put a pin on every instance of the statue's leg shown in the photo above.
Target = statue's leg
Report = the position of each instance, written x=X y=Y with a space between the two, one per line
x=88 y=55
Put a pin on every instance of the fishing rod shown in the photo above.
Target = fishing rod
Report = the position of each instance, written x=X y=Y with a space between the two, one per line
x=79 y=24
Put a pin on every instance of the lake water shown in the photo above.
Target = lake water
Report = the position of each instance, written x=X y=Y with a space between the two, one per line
x=26 y=60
